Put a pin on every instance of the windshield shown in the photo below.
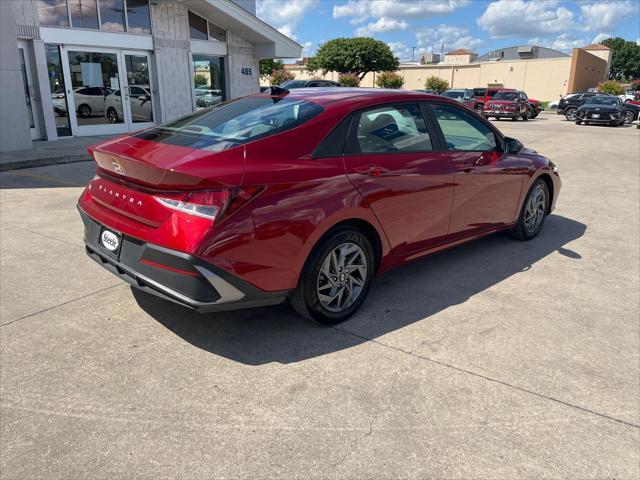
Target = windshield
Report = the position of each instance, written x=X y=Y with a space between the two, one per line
x=294 y=84
x=505 y=96
x=453 y=94
x=605 y=101
x=479 y=92
x=235 y=122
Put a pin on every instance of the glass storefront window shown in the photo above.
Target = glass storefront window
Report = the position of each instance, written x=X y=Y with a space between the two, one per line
x=208 y=78
x=58 y=90
x=94 y=79
x=139 y=85
x=27 y=88
x=84 y=13
x=217 y=33
x=138 y=16
x=112 y=15
x=53 y=13
x=197 y=27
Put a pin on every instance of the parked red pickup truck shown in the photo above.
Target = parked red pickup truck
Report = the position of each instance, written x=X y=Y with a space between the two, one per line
x=484 y=94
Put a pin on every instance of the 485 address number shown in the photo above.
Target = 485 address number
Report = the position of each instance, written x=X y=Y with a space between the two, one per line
x=246 y=71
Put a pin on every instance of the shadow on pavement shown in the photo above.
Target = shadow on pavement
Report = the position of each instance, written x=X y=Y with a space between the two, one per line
x=397 y=299
x=67 y=175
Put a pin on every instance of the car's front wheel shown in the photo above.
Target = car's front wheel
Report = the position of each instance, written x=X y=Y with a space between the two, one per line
x=336 y=278
x=628 y=116
x=534 y=212
x=570 y=114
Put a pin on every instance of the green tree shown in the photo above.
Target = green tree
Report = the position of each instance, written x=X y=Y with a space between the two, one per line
x=612 y=87
x=279 y=76
x=389 y=80
x=436 y=83
x=354 y=55
x=625 y=59
x=268 y=65
x=200 y=79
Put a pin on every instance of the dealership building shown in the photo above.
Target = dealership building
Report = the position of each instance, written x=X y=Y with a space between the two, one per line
x=543 y=73
x=71 y=68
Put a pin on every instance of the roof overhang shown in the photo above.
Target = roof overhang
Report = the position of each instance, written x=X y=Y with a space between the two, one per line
x=268 y=42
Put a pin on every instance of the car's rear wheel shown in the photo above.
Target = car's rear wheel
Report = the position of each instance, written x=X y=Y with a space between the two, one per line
x=570 y=114
x=336 y=278
x=534 y=212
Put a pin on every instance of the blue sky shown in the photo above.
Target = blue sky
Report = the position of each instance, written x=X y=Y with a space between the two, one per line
x=477 y=25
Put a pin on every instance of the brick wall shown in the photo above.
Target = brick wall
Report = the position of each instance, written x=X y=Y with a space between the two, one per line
x=172 y=58
x=241 y=56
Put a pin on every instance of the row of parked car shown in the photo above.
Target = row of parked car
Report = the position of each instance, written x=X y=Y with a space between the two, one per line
x=599 y=108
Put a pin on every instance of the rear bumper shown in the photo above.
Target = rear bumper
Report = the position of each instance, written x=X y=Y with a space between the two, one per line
x=175 y=276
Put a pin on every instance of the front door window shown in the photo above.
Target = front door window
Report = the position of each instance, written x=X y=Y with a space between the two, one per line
x=208 y=78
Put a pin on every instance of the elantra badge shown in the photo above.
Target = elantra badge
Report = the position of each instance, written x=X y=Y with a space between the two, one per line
x=117 y=168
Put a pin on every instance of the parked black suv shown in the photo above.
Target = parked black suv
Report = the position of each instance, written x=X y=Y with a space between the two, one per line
x=570 y=103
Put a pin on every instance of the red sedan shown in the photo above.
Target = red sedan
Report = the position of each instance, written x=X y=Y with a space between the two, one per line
x=305 y=195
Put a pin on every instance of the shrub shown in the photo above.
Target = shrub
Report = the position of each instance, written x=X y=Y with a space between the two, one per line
x=279 y=76
x=349 y=80
x=612 y=87
x=200 y=79
x=389 y=80
x=436 y=83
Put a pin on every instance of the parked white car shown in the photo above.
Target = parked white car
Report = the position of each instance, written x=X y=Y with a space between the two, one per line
x=628 y=96
x=140 y=101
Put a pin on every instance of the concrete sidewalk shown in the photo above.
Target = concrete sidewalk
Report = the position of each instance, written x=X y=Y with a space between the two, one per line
x=46 y=153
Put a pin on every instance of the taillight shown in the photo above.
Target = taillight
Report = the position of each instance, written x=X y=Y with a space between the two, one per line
x=205 y=203
x=210 y=204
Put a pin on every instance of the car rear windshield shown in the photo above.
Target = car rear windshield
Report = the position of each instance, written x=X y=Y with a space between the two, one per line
x=505 y=96
x=294 y=84
x=453 y=93
x=235 y=122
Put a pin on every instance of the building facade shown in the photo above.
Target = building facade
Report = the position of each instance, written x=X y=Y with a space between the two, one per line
x=97 y=67
x=545 y=74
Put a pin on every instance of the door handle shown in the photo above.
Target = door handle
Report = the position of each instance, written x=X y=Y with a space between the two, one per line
x=464 y=167
x=373 y=170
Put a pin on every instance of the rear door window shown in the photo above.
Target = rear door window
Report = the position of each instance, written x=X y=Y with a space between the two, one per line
x=390 y=128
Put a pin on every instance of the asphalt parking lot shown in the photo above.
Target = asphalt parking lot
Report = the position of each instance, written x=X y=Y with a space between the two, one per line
x=498 y=359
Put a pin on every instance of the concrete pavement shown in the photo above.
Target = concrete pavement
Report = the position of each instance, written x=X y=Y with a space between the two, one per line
x=497 y=359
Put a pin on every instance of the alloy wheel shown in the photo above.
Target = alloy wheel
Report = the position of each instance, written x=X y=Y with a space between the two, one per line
x=535 y=209
x=342 y=277
x=628 y=117
x=112 y=116
x=571 y=115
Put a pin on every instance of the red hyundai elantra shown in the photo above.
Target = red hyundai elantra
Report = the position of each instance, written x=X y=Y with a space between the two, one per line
x=305 y=195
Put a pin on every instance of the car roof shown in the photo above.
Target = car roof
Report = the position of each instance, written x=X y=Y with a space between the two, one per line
x=325 y=96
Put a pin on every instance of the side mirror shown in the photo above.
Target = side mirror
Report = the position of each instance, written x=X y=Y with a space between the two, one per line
x=512 y=145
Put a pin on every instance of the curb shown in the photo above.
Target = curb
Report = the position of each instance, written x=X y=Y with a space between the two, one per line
x=43 y=162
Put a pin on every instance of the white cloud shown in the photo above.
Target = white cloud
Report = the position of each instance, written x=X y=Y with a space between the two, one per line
x=308 y=49
x=432 y=39
x=520 y=18
x=606 y=15
x=600 y=37
x=397 y=9
x=284 y=15
x=382 y=25
x=566 y=42
x=400 y=50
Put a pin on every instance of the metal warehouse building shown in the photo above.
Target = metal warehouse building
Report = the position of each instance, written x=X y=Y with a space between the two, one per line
x=94 y=67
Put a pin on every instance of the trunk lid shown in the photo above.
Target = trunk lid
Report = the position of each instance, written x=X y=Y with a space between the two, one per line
x=168 y=166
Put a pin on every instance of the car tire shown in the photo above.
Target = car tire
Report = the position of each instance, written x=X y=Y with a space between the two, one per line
x=328 y=270
x=526 y=115
x=84 y=110
x=534 y=114
x=478 y=108
x=578 y=122
x=570 y=114
x=628 y=117
x=112 y=115
x=614 y=124
x=514 y=118
x=534 y=211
